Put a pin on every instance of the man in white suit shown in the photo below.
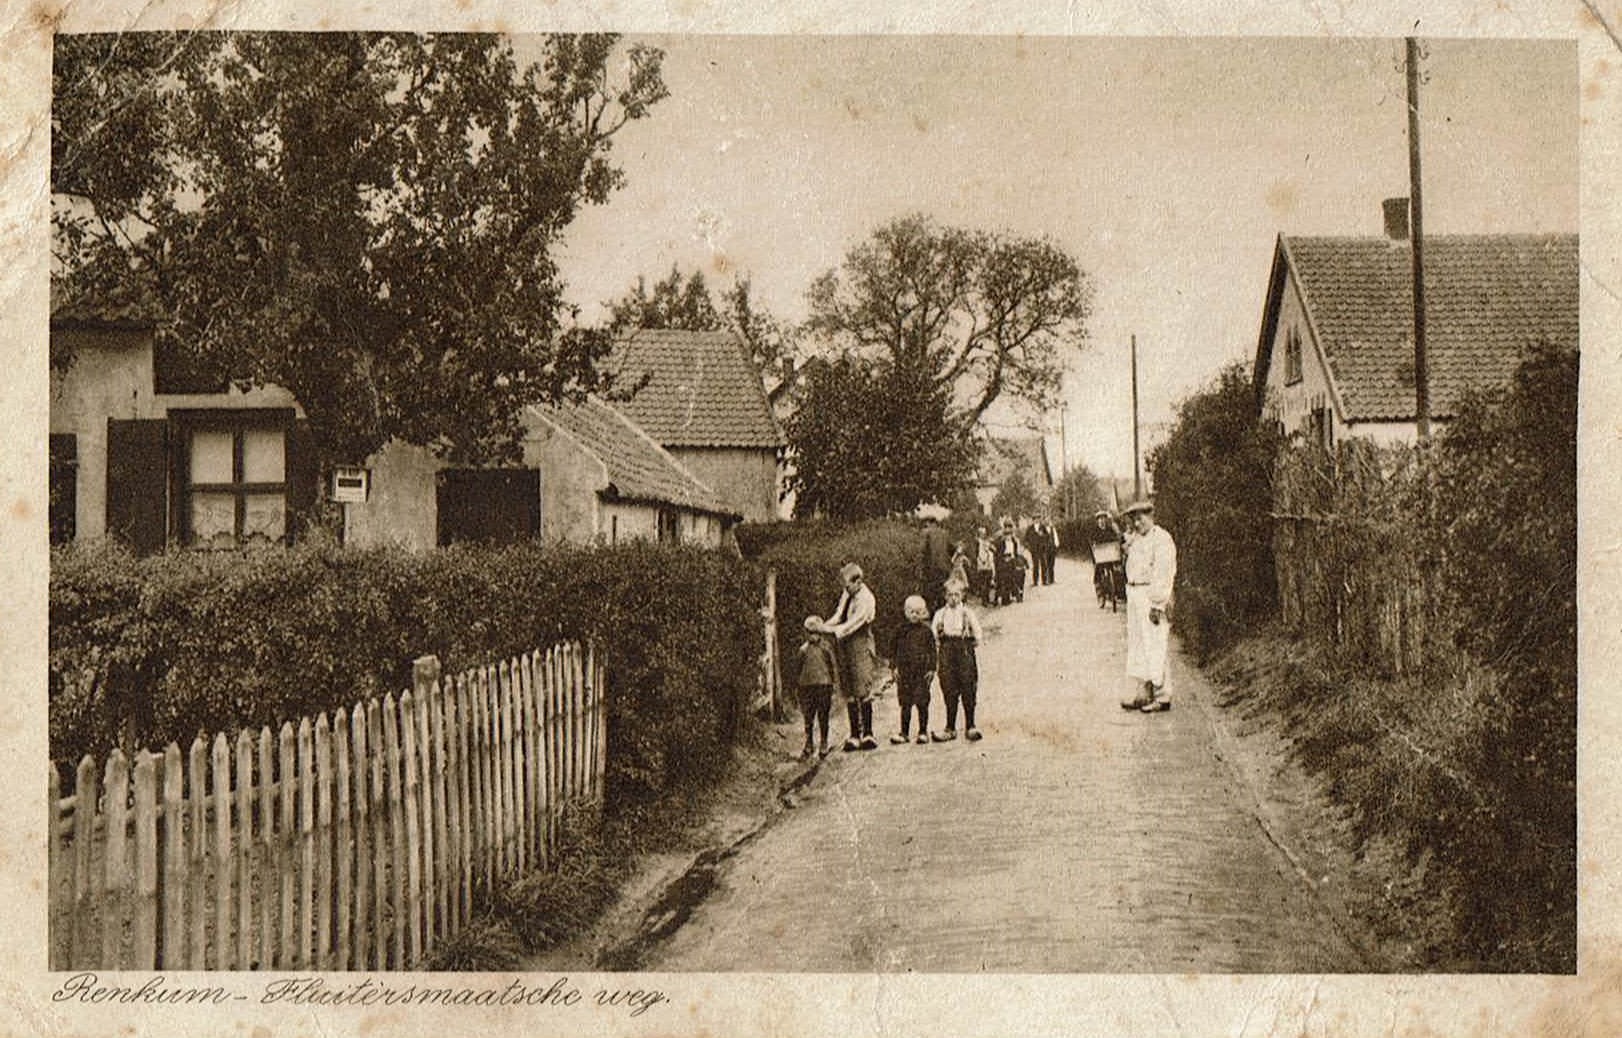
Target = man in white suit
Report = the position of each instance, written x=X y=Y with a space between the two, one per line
x=1151 y=570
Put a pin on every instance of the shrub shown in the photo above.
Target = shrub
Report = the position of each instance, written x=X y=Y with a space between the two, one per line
x=147 y=651
x=1213 y=492
x=807 y=557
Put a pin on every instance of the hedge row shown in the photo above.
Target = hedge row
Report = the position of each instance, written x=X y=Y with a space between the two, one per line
x=150 y=650
x=807 y=557
x=1436 y=590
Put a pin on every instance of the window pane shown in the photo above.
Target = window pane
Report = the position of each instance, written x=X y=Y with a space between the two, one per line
x=211 y=456
x=265 y=518
x=263 y=456
x=213 y=518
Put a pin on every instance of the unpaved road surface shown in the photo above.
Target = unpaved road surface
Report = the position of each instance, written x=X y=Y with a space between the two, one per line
x=1075 y=837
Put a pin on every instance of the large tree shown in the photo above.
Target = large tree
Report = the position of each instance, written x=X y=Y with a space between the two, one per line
x=364 y=219
x=981 y=313
x=869 y=440
x=676 y=301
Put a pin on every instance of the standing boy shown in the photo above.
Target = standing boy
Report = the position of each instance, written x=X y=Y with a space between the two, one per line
x=912 y=654
x=957 y=631
x=819 y=675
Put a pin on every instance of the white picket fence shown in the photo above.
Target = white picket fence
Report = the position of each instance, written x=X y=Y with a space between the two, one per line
x=354 y=842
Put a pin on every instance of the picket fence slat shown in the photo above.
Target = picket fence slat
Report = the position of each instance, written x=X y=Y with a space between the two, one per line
x=146 y=863
x=173 y=954
x=197 y=852
x=343 y=837
x=359 y=840
x=267 y=851
x=286 y=847
x=246 y=849
x=86 y=885
x=397 y=847
x=362 y=919
x=323 y=843
x=381 y=841
x=305 y=914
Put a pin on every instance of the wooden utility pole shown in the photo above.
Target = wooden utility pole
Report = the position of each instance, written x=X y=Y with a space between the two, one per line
x=1137 y=466
x=1416 y=239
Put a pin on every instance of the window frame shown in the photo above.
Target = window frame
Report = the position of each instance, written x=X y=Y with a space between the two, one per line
x=237 y=421
x=1294 y=360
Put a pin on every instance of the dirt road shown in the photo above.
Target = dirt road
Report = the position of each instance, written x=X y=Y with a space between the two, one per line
x=1075 y=837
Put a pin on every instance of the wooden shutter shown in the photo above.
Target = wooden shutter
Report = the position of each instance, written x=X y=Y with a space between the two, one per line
x=303 y=480
x=138 y=482
x=64 y=505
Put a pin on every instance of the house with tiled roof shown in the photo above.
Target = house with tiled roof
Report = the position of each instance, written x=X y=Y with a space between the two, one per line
x=1004 y=457
x=141 y=453
x=586 y=474
x=702 y=399
x=1335 y=356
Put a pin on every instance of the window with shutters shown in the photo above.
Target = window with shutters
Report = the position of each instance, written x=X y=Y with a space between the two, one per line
x=669 y=532
x=233 y=482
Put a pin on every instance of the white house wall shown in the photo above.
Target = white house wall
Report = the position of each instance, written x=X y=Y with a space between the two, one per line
x=112 y=377
x=1293 y=404
x=748 y=479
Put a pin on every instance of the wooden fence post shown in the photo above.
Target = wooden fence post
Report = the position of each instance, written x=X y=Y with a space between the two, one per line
x=86 y=883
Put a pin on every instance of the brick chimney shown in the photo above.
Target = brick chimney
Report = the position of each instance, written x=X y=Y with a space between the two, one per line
x=1396 y=218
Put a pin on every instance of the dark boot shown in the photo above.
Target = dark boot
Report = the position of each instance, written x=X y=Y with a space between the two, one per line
x=868 y=742
x=853 y=714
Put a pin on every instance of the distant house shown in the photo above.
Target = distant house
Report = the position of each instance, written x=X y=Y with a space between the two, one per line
x=588 y=475
x=1004 y=457
x=704 y=402
x=136 y=458
x=1335 y=357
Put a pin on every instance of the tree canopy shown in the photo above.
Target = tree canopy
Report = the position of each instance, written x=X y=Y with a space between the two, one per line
x=869 y=442
x=363 y=219
x=983 y=314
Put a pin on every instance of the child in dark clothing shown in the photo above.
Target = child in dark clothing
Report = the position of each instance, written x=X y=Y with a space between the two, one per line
x=819 y=673
x=912 y=654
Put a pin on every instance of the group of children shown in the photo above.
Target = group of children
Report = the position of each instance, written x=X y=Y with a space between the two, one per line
x=923 y=648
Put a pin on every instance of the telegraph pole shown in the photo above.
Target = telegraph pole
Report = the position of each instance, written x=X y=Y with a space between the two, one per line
x=1416 y=238
x=1137 y=467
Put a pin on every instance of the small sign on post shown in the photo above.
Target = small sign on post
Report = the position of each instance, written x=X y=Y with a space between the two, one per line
x=350 y=484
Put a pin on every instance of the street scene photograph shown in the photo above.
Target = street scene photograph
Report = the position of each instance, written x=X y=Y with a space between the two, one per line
x=550 y=505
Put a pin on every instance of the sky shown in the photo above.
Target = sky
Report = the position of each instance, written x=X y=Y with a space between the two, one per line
x=1167 y=167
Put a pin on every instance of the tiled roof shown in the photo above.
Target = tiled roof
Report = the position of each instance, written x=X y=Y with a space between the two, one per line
x=703 y=390
x=1003 y=456
x=1487 y=298
x=125 y=307
x=638 y=468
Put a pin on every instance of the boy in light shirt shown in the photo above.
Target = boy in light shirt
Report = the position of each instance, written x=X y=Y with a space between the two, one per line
x=957 y=632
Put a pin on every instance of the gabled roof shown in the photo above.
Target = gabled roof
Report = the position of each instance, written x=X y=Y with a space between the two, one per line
x=703 y=389
x=1003 y=456
x=638 y=468
x=1488 y=297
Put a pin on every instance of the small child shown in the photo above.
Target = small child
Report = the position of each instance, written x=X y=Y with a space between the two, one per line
x=819 y=672
x=957 y=630
x=912 y=654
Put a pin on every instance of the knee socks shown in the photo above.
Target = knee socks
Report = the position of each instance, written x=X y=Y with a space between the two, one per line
x=968 y=707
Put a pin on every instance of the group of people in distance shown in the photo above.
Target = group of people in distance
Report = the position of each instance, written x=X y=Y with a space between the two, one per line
x=840 y=656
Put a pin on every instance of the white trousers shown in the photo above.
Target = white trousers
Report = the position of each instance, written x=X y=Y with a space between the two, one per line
x=1146 y=643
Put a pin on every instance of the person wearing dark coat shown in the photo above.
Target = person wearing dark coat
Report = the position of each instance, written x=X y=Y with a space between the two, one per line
x=912 y=655
x=935 y=567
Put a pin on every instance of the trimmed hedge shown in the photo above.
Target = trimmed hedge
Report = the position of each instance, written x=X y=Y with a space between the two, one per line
x=150 y=650
x=807 y=557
